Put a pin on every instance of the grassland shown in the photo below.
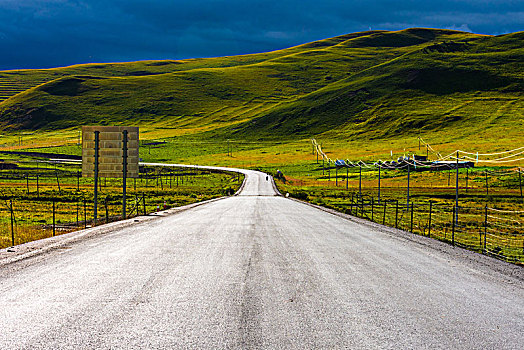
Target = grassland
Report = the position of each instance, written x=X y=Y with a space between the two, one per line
x=370 y=85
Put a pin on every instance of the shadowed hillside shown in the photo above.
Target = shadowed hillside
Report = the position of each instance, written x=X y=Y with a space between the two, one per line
x=372 y=84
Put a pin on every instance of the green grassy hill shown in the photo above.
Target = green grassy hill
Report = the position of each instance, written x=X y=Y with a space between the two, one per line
x=369 y=85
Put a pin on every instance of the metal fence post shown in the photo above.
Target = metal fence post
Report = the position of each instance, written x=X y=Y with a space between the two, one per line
x=384 y=217
x=379 y=184
x=396 y=214
x=372 y=210
x=347 y=177
x=360 y=180
x=77 y=213
x=85 y=214
x=411 y=223
x=520 y=184
x=12 y=222
x=95 y=199
x=467 y=178
x=429 y=224
x=457 y=188
x=58 y=182
x=453 y=227
x=485 y=225
x=487 y=187
x=124 y=174
x=107 y=211
x=407 y=202
x=54 y=210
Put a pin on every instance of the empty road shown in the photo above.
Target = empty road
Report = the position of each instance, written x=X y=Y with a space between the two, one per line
x=255 y=271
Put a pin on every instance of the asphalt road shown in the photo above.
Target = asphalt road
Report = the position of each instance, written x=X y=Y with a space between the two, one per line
x=256 y=271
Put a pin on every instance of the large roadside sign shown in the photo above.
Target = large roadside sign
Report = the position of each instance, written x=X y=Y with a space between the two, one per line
x=111 y=153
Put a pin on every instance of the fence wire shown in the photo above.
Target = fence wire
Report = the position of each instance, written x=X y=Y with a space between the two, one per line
x=492 y=231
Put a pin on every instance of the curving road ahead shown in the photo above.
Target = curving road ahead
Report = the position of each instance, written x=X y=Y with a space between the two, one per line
x=255 y=271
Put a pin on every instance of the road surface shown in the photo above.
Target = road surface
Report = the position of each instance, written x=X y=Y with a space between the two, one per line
x=256 y=271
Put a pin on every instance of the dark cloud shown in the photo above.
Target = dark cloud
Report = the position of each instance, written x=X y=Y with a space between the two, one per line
x=49 y=33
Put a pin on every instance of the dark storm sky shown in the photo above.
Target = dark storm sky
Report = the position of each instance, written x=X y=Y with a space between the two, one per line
x=51 y=33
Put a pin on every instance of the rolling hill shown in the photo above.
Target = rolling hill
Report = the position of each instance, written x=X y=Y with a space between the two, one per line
x=368 y=85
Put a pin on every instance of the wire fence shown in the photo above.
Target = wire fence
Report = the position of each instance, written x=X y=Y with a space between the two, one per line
x=36 y=205
x=491 y=231
x=27 y=220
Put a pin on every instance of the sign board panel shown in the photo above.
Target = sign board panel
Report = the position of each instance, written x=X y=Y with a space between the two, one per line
x=110 y=154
